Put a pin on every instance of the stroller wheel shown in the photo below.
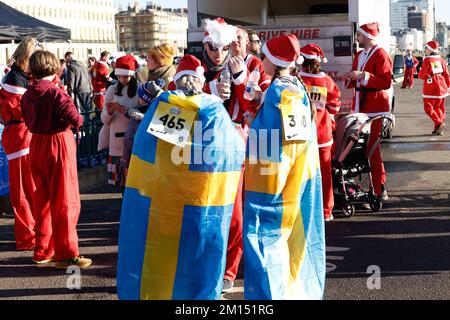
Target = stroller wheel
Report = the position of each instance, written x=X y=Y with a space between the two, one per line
x=376 y=205
x=348 y=210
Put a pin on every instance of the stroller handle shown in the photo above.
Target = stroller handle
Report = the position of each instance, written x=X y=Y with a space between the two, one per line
x=355 y=136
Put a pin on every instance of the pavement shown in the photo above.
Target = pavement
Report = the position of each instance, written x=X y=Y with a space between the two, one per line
x=400 y=253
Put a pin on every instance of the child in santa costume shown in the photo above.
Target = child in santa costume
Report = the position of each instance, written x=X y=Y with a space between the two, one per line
x=371 y=76
x=436 y=84
x=50 y=114
x=325 y=96
x=119 y=98
x=16 y=142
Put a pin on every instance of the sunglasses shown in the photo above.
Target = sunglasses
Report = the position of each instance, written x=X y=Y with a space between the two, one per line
x=255 y=41
x=213 y=48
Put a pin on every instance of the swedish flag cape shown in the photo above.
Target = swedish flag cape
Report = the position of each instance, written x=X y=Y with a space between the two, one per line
x=176 y=216
x=284 y=241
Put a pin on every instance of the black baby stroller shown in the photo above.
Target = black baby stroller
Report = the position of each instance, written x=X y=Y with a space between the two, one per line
x=352 y=137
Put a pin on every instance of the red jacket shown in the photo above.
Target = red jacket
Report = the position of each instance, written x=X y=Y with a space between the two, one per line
x=370 y=97
x=325 y=95
x=16 y=137
x=47 y=109
x=100 y=73
x=435 y=77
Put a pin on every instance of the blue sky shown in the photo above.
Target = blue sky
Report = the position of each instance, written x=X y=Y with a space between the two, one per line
x=443 y=10
x=442 y=6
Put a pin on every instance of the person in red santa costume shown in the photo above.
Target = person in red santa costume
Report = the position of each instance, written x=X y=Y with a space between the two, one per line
x=217 y=60
x=244 y=111
x=436 y=84
x=16 y=142
x=325 y=96
x=50 y=113
x=411 y=64
x=100 y=79
x=371 y=76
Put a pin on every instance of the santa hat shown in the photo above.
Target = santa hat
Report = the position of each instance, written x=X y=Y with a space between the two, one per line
x=283 y=51
x=370 y=30
x=126 y=66
x=219 y=33
x=313 y=52
x=433 y=46
x=190 y=65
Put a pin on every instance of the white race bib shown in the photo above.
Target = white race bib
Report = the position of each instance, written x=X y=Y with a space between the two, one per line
x=296 y=120
x=172 y=124
x=436 y=67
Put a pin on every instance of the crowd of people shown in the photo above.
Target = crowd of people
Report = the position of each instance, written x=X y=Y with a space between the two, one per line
x=269 y=208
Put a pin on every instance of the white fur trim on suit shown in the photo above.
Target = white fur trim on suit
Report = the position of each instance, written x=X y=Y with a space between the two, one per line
x=327 y=144
x=312 y=75
x=124 y=72
x=434 y=97
x=241 y=79
x=275 y=60
x=18 y=154
x=13 y=89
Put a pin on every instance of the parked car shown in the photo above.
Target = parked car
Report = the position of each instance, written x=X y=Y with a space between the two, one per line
x=398 y=72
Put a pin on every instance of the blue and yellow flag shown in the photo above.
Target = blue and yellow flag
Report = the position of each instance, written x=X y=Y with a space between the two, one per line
x=178 y=203
x=284 y=240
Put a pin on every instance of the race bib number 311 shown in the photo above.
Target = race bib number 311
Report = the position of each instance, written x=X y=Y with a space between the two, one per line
x=172 y=124
x=296 y=122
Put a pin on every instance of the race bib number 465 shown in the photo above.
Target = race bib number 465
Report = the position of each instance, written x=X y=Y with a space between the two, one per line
x=296 y=121
x=172 y=124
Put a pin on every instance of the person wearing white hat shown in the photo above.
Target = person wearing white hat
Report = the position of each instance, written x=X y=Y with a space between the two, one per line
x=325 y=96
x=371 y=76
x=436 y=83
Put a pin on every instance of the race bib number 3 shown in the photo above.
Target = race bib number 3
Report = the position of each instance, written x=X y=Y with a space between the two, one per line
x=296 y=122
x=172 y=124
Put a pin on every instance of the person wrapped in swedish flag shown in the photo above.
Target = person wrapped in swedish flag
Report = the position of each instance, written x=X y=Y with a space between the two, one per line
x=181 y=187
x=284 y=241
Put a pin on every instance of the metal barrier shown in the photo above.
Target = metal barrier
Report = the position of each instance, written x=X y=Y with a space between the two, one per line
x=87 y=141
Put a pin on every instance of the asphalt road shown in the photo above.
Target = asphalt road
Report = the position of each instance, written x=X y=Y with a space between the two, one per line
x=407 y=244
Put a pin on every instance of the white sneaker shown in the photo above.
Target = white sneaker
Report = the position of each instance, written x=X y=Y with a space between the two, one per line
x=330 y=218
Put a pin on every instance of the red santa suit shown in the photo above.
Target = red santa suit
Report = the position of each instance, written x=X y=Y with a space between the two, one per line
x=235 y=245
x=325 y=95
x=436 y=82
x=411 y=64
x=49 y=113
x=16 y=142
x=372 y=99
x=100 y=75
